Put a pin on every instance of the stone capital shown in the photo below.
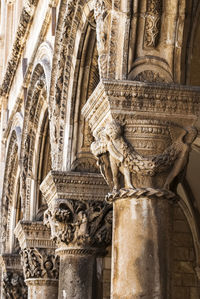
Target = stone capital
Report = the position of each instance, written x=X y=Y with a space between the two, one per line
x=40 y=265
x=143 y=134
x=77 y=214
x=13 y=278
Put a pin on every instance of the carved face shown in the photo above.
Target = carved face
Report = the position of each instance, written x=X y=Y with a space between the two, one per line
x=113 y=130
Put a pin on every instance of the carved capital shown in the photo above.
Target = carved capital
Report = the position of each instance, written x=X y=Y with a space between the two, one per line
x=13 y=279
x=37 y=252
x=80 y=223
x=40 y=263
x=143 y=134
x=14 y=285
x=78 y=215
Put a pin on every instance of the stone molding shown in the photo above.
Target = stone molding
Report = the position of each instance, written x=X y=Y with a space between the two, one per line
x=73 y=186
x=20 y=40
x=33 y=234
x=118 y=99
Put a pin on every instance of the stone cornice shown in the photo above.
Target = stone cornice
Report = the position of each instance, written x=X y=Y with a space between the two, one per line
x=33 y=234
x=112 y=98
x=73 y=185
x=19 y=43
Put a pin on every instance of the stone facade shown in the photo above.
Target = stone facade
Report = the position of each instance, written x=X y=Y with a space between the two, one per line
x=100 y=149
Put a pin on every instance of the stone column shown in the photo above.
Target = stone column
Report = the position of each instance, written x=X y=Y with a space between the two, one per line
x=13 y=285
x=143 y=138
x=40 y=265
x=80 y=222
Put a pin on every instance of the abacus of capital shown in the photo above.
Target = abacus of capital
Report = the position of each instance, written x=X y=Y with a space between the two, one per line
x=143 y=135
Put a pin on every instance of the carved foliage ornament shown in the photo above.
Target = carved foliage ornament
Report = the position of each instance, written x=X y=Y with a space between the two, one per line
x=80 y=223
x=14 y=286
x=152 y=23
x=38 y=263
x=116 y=156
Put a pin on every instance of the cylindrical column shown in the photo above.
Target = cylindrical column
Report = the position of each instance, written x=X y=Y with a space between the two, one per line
x=78 y=277
x=42 y=288
x=141 y=248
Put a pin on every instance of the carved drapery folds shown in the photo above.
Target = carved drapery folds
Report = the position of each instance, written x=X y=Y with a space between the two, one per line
x=152 y=23
x=137 y=154
x=40 y=263
x=77 y=215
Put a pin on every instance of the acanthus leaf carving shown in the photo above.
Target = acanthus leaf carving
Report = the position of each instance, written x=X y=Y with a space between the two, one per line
x=80 y=223
x=40 y=263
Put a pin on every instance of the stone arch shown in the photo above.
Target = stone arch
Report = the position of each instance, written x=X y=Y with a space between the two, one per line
x=36 y=108
x=9 y=194
x=73 y=19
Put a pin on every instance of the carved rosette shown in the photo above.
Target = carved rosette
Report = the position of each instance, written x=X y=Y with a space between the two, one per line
x=78 y=215
x=40 y=263
x=143 y=135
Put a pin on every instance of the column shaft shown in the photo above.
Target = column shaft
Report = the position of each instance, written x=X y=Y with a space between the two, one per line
x=141 y=248
x=77 y=276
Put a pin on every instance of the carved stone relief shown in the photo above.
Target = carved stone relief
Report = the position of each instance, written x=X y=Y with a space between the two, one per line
x=14 y=286
x=77 y=213
x=80 y=223
x=152 y=23
x=138 y=154
x=40 y=263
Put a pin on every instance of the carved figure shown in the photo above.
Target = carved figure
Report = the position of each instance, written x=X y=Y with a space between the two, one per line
x=179 y=168
x=120 y=157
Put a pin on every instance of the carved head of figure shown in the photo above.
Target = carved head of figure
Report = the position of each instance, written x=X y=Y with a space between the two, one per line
x=113 y=130
x=190 y=135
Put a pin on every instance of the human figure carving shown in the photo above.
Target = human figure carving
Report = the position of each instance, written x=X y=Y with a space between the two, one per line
x=116 y=156
x=179 y=168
